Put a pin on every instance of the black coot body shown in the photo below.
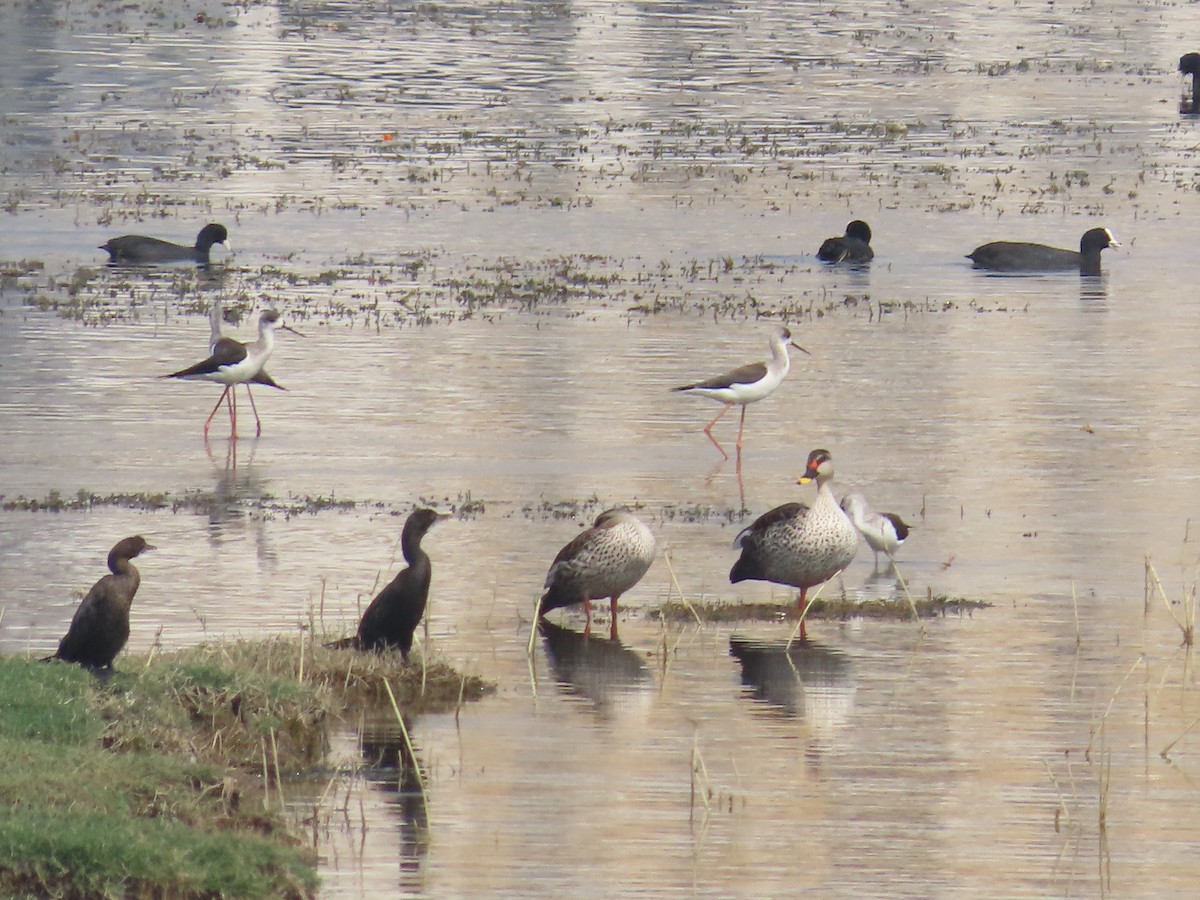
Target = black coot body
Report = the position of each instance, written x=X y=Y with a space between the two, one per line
x=853 y=246
x=1018 y=256
x=137 y=249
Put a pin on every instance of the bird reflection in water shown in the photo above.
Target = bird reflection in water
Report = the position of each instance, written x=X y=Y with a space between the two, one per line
x=237 y=491
x=601 y=670
x=392 y=768
x=803 y=679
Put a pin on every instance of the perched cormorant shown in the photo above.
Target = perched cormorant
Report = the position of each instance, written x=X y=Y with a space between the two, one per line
x=100 y=627
x=394 y=614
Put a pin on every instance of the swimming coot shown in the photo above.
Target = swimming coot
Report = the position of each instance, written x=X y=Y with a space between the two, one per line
x=853 y=246
x=1189 y=64
x=137 y=249
x=1018 y=256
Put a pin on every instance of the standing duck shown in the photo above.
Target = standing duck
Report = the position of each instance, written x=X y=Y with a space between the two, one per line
x=605 y=561
x=394 y=614
x=853 y=246
x=137 y=249
x=881 y=531
x=746 y=384
x=798 y=545
x=100 y=627
x=233 y=362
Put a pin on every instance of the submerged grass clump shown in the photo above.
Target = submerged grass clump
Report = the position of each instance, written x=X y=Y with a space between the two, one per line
x=226 y=701
x=836 y=608
x=159 y=783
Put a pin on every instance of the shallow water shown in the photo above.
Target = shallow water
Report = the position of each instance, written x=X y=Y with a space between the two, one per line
x=505 y=235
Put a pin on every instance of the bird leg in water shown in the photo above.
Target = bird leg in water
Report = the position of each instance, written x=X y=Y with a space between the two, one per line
x=741 y=428
x=612 y=628
x=800 y=609
x=232 y=414
x=708 y=428
x=257 y=421
x=587 y=608
x=208 y=421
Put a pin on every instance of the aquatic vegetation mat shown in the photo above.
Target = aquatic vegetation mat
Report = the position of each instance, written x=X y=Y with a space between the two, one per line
x=931 y=607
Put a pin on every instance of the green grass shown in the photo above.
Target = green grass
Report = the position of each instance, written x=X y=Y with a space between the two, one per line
x=157 y=784
x=79 y=820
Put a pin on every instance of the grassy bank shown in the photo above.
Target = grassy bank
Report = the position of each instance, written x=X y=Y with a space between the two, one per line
x=157 y=784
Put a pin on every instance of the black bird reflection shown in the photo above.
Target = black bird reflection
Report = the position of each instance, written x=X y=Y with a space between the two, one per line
x=781 y=676
x=391 y=768
x=602 y=670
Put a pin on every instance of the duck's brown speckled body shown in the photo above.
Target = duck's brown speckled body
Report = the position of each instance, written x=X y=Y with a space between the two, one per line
x=606 y=560
x=799 y=545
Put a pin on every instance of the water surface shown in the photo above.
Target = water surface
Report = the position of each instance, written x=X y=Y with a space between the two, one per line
x=506 y=233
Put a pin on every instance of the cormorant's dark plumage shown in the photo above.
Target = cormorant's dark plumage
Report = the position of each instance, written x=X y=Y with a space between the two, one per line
x=137 y=249
x=100 y=627
x=394 y=614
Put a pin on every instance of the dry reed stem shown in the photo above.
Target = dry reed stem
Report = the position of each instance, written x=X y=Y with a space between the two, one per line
x=412 y=755
x=537 y=615
x=1186 y=625
x=1165 y=752
x=1062 y=803
x=278 y=770
x=1075 y=607
x=682 y=598
x=912 y=604
x=1111 y=700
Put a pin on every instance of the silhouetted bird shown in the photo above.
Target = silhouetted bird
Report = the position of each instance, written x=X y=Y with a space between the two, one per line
x=394 y=614
x=853 y=246
x=793 y=544
x=100 y=626
x=606 y=560
x=1022 y=256
x=137 y=249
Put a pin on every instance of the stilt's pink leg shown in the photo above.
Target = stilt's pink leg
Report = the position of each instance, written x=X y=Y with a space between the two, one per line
x=208 y=421
x=257 y=421
x=233 y=415
x=741 y=428
x=708 y=428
